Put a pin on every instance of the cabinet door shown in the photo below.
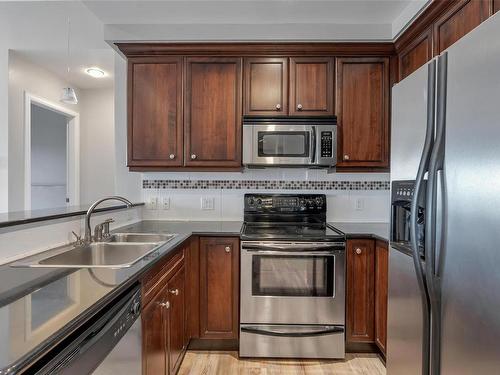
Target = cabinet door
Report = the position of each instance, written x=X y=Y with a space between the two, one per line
x=381 y=285
x=177 y=318
x=496 y=6
x=459 y=20
x=266 y=86
x=155 y=112
x=154 y=336
x=360 y=291
x=213 y=112
x=311 y=86
x=415 y=54
x=219 y=285
x=363 y=112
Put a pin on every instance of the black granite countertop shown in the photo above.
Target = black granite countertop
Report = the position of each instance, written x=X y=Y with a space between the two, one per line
x=9 y=219
x=379 y=231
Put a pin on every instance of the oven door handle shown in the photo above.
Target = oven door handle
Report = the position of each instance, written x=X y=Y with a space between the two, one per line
x=297 y=253
x=289 y=247
x=283 y=332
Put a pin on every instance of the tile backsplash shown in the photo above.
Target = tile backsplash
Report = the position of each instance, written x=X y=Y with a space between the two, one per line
x=219 y=196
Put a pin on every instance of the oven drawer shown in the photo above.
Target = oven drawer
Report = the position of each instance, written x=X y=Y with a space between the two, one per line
x=292 y=341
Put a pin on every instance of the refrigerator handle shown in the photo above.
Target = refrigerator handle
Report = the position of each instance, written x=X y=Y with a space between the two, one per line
x=435 y=166
x=422 y=169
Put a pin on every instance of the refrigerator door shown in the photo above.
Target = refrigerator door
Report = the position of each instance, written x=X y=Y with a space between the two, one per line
x=409 y=118
x=404 y=325
x=470 y=258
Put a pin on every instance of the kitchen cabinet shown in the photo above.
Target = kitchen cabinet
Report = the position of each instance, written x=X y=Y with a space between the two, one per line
x=362 y=108
x=381 y=290
x=155 y=111
x=266 y=86
x=496 y=6
x=219 y=287
x=360 y=281
x=212 y=112
x=416 y=54
x=311 y=86
x=459 y=20
x=163 y=317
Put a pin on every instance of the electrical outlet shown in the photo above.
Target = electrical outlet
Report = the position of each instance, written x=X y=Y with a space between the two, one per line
x=165 y=203
x=153 y=203
x=360 y=204
x=207 y=203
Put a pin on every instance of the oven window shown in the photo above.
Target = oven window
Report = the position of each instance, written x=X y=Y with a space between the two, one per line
x=292 y=276
x=283 y=144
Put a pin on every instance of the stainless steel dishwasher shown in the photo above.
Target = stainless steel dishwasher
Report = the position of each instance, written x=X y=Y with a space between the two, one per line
x=109 y=344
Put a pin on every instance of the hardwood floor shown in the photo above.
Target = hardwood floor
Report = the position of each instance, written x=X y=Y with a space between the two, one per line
x=218 y=363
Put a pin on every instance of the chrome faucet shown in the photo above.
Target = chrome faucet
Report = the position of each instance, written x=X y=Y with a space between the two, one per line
x=88 y=231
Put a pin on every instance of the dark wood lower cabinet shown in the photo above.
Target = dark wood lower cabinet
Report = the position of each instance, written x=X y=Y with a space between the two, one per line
x=366 y=311
x=219 y=287
x=163 y=322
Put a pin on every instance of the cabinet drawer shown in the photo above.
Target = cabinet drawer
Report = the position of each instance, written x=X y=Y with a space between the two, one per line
x=153 y=282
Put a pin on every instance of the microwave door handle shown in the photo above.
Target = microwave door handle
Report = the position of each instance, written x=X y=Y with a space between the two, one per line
x=313 y=145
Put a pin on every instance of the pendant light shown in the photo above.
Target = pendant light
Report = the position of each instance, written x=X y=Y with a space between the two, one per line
x=68 y=93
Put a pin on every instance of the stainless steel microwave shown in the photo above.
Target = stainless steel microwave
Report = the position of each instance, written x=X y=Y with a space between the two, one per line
x=290 y=141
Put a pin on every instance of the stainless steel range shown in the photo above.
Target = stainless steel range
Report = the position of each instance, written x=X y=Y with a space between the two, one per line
x=292 y=279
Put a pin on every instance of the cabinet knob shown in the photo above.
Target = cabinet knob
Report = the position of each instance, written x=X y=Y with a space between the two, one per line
x=193 y=156
x=171 y=156
x=278 y=107
x=346 y=157
x=227 y=249
x=299 y=107
x=175 y=292
x=164 y=304
x=358 y=251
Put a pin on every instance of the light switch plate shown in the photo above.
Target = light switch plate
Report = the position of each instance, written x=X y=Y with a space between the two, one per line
x=165 y=203
x=207 y=203
x=152 y=203
x=360 y=204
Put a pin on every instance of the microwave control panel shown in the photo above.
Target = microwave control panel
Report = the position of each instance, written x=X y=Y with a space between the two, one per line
x=326 y=144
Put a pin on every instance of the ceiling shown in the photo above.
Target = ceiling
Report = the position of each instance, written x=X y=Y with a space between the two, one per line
x=37 y=30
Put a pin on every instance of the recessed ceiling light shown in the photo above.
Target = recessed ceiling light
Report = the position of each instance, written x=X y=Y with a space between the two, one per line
x=95 y=72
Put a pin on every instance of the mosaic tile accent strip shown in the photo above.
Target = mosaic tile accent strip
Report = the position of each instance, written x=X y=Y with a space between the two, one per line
x=265 y=185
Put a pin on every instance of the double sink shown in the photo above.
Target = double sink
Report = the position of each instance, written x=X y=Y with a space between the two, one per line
x=119 y=250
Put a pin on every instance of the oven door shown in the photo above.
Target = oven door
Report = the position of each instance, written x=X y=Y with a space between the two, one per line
x=292 y=283
x=279 y=145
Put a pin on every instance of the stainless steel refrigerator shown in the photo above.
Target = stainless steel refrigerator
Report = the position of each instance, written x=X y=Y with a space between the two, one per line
x=444 y=294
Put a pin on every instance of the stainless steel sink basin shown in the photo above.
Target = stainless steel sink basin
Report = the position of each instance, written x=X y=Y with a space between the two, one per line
x=100 y=254
x=140 y=237
x=121 y=250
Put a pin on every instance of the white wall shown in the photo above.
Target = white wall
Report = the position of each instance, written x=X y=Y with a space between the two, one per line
x=26 y=77
x=48 y=158
x=97 y=144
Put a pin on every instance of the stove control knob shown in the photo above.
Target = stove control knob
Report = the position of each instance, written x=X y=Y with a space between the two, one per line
x=259 y=201
x=319 y=201
x=302 y=203
x=251 y=201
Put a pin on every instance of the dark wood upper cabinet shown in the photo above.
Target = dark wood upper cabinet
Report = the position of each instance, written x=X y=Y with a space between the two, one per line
x=177 y=320
x=155 y=112
x=311 y=86
x=219 y=287
x=416 y=54
x=266 y=86
x=381 y=292
x=496 y=6
x=212 y=112
x=360 y=291
x=154 y=336
x=362 y=108
x=457 y=21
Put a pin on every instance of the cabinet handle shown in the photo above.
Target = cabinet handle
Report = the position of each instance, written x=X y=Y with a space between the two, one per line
x=358 y=251
x=299 y=107
x=175 y=292
x=171 y=156
x=227 y=249
x=346 y=157
x=193 y=156
x=278 y=107
x=164 y=304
